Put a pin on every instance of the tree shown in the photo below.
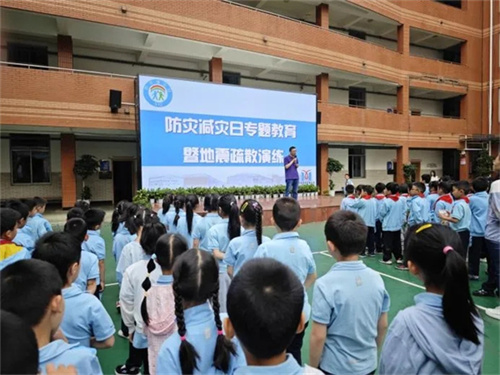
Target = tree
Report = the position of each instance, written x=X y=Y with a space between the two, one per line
x=483 y=164
x=85 y=167
x=333 y=166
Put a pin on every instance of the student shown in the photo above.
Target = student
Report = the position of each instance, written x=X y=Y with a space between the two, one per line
x=9 y=251
x=189 y=218
x=38 y=224
x=288 y=248
x=24 y=236
x=83 y=205
x=85 y=320
x=349 y=200
x=167 y=206
x=158 y=306
x=174 y=217
x=31 y=289
x=350 y=304
x=426 y=179
x=478 y=204
x=119 y=216
x=460 y=215
x=379 y=198
x=366 y=207
x=211 y=207
x=200 y=346
x=259 y=284
x=392 y=213
x=75 y=212
x=243 y=248
x=431 y=200
x=88 y=276
x=218 y=241
x=404 y=196
x=417 y=204
x=445 y=201
x=95 y=243
x=126 y=233
x=443 y=333
x=347 y=182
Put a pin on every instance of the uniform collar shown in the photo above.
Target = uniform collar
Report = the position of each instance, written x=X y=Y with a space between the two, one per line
x=284 y=235
x=481 y=194
x=248 y=232
x=198 y=313
x=165 y=279
x=353 y=265
x=290 y=366
x=54 y=349
x=93 y=232
x=72 y=291
x=212 y=214
x=429 y=299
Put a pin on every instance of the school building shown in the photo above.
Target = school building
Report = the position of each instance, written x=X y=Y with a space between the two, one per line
x=397 y=81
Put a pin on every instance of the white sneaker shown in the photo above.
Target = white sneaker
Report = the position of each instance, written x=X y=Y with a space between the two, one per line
x=494 y=313
x=399 y=261
x=121 y=334
x=386 y=261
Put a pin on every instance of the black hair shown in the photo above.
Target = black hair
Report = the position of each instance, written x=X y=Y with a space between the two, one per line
x=347 y=231
x=349 y=189
x=252 y=212
x=393 y=188
x=39 y=201
x=8 y=219
x=426 y=177
x=19 y=349
x=27 y=287
x=180 y=201
x=368 y=189
x=480 y=184
x=359 y=188
x=94 y=217
x=265 y=332
x=380 y=187
x=291 y=148
x=167 y=249
x=168 y=199
x=191 y=202
x=229 y=207
x=119 y=214
x=135 y=217
x=445 y=186
x=286 y=214
x=30 y=203
x=419 y=185
x=424 y=246
x=433 y=174
x=446 y=178
x=77 y=227
x=433 y=185
x=74 y=212
x=60 y=249
x=196 y=280
x=84 y=206
x=150 y=234
x=211 y=202
x=403 y=188
x=462 y=185
x=20 y=207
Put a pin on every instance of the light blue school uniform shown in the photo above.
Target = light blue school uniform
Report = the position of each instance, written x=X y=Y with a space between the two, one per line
x=427 y=191
x=95 y=244
x=218 y=238
x=461 y=211
x=289 y=367
x=24 y=238
x=431 y=201
x=60 y=353
x=347 y=203
x=418 y=211
x=182 y=227
x=406 y=208
x=478 y=205
x=39 y=226
x=349 y=300
x=367 y=209
x=491 y=231
x=170 y=218
x=84 y=317
x=419 y=341
x=20 y=255
x=242 y=248
x=442 y=205
x=201 y=332
x=294 y=252
x=392 y=214
x=163 y=216
x=379 y=199
x=89 y=270
x=202 y=227
x=122 y=237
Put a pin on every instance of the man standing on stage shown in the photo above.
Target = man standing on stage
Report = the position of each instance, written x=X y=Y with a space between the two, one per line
x=291 y=174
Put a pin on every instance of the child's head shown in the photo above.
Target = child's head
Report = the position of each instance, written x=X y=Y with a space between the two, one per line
x=74 y=212
x=167 y=249
x=347 y=176
x=19 y=349
x=392 y=188
x=251 y=217
x=22 y=209
x=426 y=178
x=380 y=187
x=63 y=250
x=31 y=206
x=8 y=223
x=460 y=189
x=94 y=218
x=168 y=200
x=211 y=203
x=31 y=289
x=196 y=281
x=286 y=214
x=273 y=298
x=83 y=205
x=444 y=187
x=40 y=204
x=135 y=218
x=349 y=189
x=150 y=234
x=359 y=189
x=119 y=214
x=368 y=189
x=180 y=201
x=77 y=227
x=417 y=188
x=192 y=202
x=403 y=188
x=228 y=208
x=480 y=184
x=433 y=187
x=433 y=254
x=345 y=233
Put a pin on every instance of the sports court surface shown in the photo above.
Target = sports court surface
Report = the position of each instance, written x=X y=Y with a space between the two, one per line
x=400 y=285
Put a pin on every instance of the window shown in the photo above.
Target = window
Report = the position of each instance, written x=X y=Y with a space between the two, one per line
x=453 y=54
x=27 y=54
x=30 y=159
x=357 y=162
x=358 y=34
x=231 y=78
x=357 y=97
x=451 y=107
x=452 y=3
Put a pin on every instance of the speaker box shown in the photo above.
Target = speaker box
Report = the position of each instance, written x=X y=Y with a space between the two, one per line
x=115 y=100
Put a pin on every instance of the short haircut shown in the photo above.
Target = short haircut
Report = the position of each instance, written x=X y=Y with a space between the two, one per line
x=291 y=148
x=393 y=188
x=433 y=185
x=30 y=203
x=74 y=213
x=94 y=217
x=8 y=219
x=480 y=184
x=347 y=174
x=60 y=249
x=379 y=188
x=19 y=349
x=20 y=207
x=84 y=206
x=403 y=189
x=419 y=185
x=39 y=201
x=286 y=213
x=445 y=186
x=262 y=283
x=462 y=185
x=349 y=189
x=359 y=188
x=368 y=189
x=426 y=177
x=347 y=231
x=77 y=227
x=27 y=287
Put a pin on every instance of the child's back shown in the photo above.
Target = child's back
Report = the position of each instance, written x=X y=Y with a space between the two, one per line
x=39 y=226
x=95 y=244
x=182 y=227
x=89 y=270
x=59 y=353
x=242 y=249
x=393 y=213
x=11 y=253
x=200 y=231
x=347 y=203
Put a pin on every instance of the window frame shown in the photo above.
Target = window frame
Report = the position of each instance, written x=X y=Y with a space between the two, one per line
x=31 y=149
x=362 y=158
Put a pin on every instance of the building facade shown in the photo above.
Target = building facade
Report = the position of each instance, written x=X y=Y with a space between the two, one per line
x=397 y=82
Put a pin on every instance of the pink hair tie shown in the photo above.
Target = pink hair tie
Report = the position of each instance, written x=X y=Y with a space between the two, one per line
x=447 y=249
x=183 y=338
x=220 y=332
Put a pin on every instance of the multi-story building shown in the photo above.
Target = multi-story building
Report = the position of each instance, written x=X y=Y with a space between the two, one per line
x=397 y=81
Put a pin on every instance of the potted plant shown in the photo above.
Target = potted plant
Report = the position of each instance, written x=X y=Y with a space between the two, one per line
x=333 y=166
x=85 y=167
x=409 y=171
x=482 y=166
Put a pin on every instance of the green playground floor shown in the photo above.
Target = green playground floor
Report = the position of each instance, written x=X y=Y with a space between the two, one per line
x=401 y=286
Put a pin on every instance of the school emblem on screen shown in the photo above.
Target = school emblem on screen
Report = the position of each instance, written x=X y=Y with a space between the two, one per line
x=305 y=175
x=158 y=93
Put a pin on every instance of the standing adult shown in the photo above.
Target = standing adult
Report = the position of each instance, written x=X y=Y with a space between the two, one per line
x=291 y=174
x=434 y=177
x=347 y=181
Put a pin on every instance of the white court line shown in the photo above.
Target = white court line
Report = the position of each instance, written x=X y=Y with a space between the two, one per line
x=110 y=284
x=320 y=252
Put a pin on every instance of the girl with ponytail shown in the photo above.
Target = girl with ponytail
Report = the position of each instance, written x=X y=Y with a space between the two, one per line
x=243 y=248
x=167 y=207
x=443 y=333
x=126 y=232
x=189 y=218
x=174 y=217
x=211 y=207
x=200 y=346
x=158 y=307
x=218 y=240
